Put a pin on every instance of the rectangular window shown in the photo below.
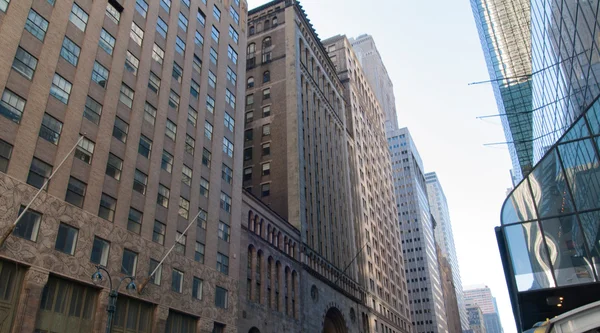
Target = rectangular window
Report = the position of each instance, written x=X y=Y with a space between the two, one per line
x=226 y=202
x=197 y=64
x=201 y=17
x=266 y=57
x=129 y=262
x=5 y=153
x=75 y=192
x=158 y=54
x=248 y=174
x=234 y=34
x=162 y=27
x=28 y=225
x=114 y=166
x=194 y=89
x=249 y=116
x=100 y=74
x=183 y=22
x=190 y=144
x=230 y=98
x=216 y=13
x=120 y=130
x=199 y=254
x=149 y=113
x=202 y=219
x=70 y=51
x=177 y=281
x=227 y=147
x=50 y=129
x=192 y=116
x=222 y=263
x=140 y=180
x=215 y=34
x=177 y=72
x=145 y=146
x=11 y=106
x=214 y=56
x=163 y=196
x=166 y=5
x=174 y=100
x=231 y=76
x=204 y=187
x=100 y=250
x=126 y=95
x=154 y=82
x=186 y=3
x=78 y=17
x=107 y=42
x=266 y=169
x=180 y=241
x=112 y=13
x=229 y=121
x=167 y=162
x=158 y=233
x=224 y=231
x=157 y=277
x=208 y=130
x=61 y=88
x=186 y=175
x=266 y=149
x=198 y=39
x=92 y=110
x=107 y=207
x=38 y=173
x=134 y=220
x=171 y=130
x=131 y=63
x=197 y=288
x=212 y=80
x=206 y=157
x=218 y=328
x=266 y=111
x=141 y=7
x=137 y=34
x=4 y=5
x=24 y=63
x=234 y=15
x=184 y=208
x=179 y=45
x=247 y=154
x=231 y=54
x=250 y=99
x=85 y=150
x=210 y=104
x=36 y=25
x=226 y=174
x=267 y=93
x=266 y=130
x=265 y=189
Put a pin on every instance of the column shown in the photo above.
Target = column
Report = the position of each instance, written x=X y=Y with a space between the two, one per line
x=161 y=315
x=29 y=300
x=253 y=291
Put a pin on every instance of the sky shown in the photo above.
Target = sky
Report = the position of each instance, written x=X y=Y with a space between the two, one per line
x=432 y=52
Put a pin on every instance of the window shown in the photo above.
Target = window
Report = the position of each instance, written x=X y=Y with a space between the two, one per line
x=208 y=129
x=201 y=17
x=28 y=225
x=145 y=146
x=75 y=192
x=107 y=207
x=226 y=202
x=100 y=74
x=250 y=83
x=167 y=162
x=248 y=174
x=212 y=79
x=206 y=157
x=92 y=110
x=5 y=153
x=220 y=299
x=230 y=98
x=177 y=281
x=85 y=150
x=215 y=34
x=78 y=17
x=131 y=63
x=183 y=22
x=224 y=231
x=162 y=27
x=274 y=22
x=266 y=76
x=179 y=45
x=171 y=130
x=265 y=189
x=192 y=116
x=120 y=130
x=197 y=288
x=226 y=174
x=190 y=143
x=140 y=180
x=210 y=104
x=141 y=7
x=100 y=251
x=177 y=72
x=218 y=328
x=234 y=34
x=25 y=64
x=112 y=13
x=214 y=56
x=180 y=241
x=197 y=64
x=266 y=130
x=229 y=122
x=267 y=93
x=137 y=34
x=61 y=88
x=266 y=169
x=158 y=54
x=202 y=219
x=163 y=196
x=199 y=255
x=66 y=239
x=222 y=263
x=186 y=175
x=266 y=111
x=154 y=82
x=184 y=208
x=251 y=48
x=107 y=42
x=4 y=5
x=198 y=39
x=157 y=277
x=51 y=129
x=204 y=187
x=134 y=221
x=11 y=106
x=166 y=5
x=249 y=116
x=174 y=100
x=231 y=76
x=186 y=2
x=126 y=96
x=69 y=51
x=149 y=113
x=36 y=25
x=266 y=149
x=231 y=54
x=227 y=147
x=217 y=13
x=234 y=15
x=114 y=166
x=194 y=89
x=248 y=154
x=38 y=173
x=158 y=233
x=266 y=57
x=129 y=262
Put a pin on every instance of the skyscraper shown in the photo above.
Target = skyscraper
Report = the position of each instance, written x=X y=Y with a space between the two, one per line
x=444 y=237
x=476 y=320
x=481 y=296
x=155 y=102
x=418 y=243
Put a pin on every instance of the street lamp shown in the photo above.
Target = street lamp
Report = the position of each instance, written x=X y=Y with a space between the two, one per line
x=112 y=295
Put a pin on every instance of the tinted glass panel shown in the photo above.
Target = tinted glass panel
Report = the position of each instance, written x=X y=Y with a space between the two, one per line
x=519 y=205
x=582 y=169
x=549 y=187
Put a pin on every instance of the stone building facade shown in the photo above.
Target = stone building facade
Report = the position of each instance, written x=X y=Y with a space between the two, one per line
x=152 y=86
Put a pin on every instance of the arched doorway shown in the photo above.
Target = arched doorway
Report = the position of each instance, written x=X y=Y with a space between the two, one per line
x=334 y=322
x=254 y=330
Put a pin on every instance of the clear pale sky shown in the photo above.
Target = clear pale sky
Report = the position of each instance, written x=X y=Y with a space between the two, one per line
x=431 y=50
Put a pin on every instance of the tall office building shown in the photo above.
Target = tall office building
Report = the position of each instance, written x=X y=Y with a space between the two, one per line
x=476 y=320
x=449 y=292
x=418 y=243
x=482 y=297
x=151 y=86
x=444 y=237
x=374 y=69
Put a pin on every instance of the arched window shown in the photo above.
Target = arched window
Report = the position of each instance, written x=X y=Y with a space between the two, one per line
x=267 y=24
x=250 y=82
x=251 y=30
x=251 y=48
x=266 y=42
x=266 y=76
x=274 y=22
